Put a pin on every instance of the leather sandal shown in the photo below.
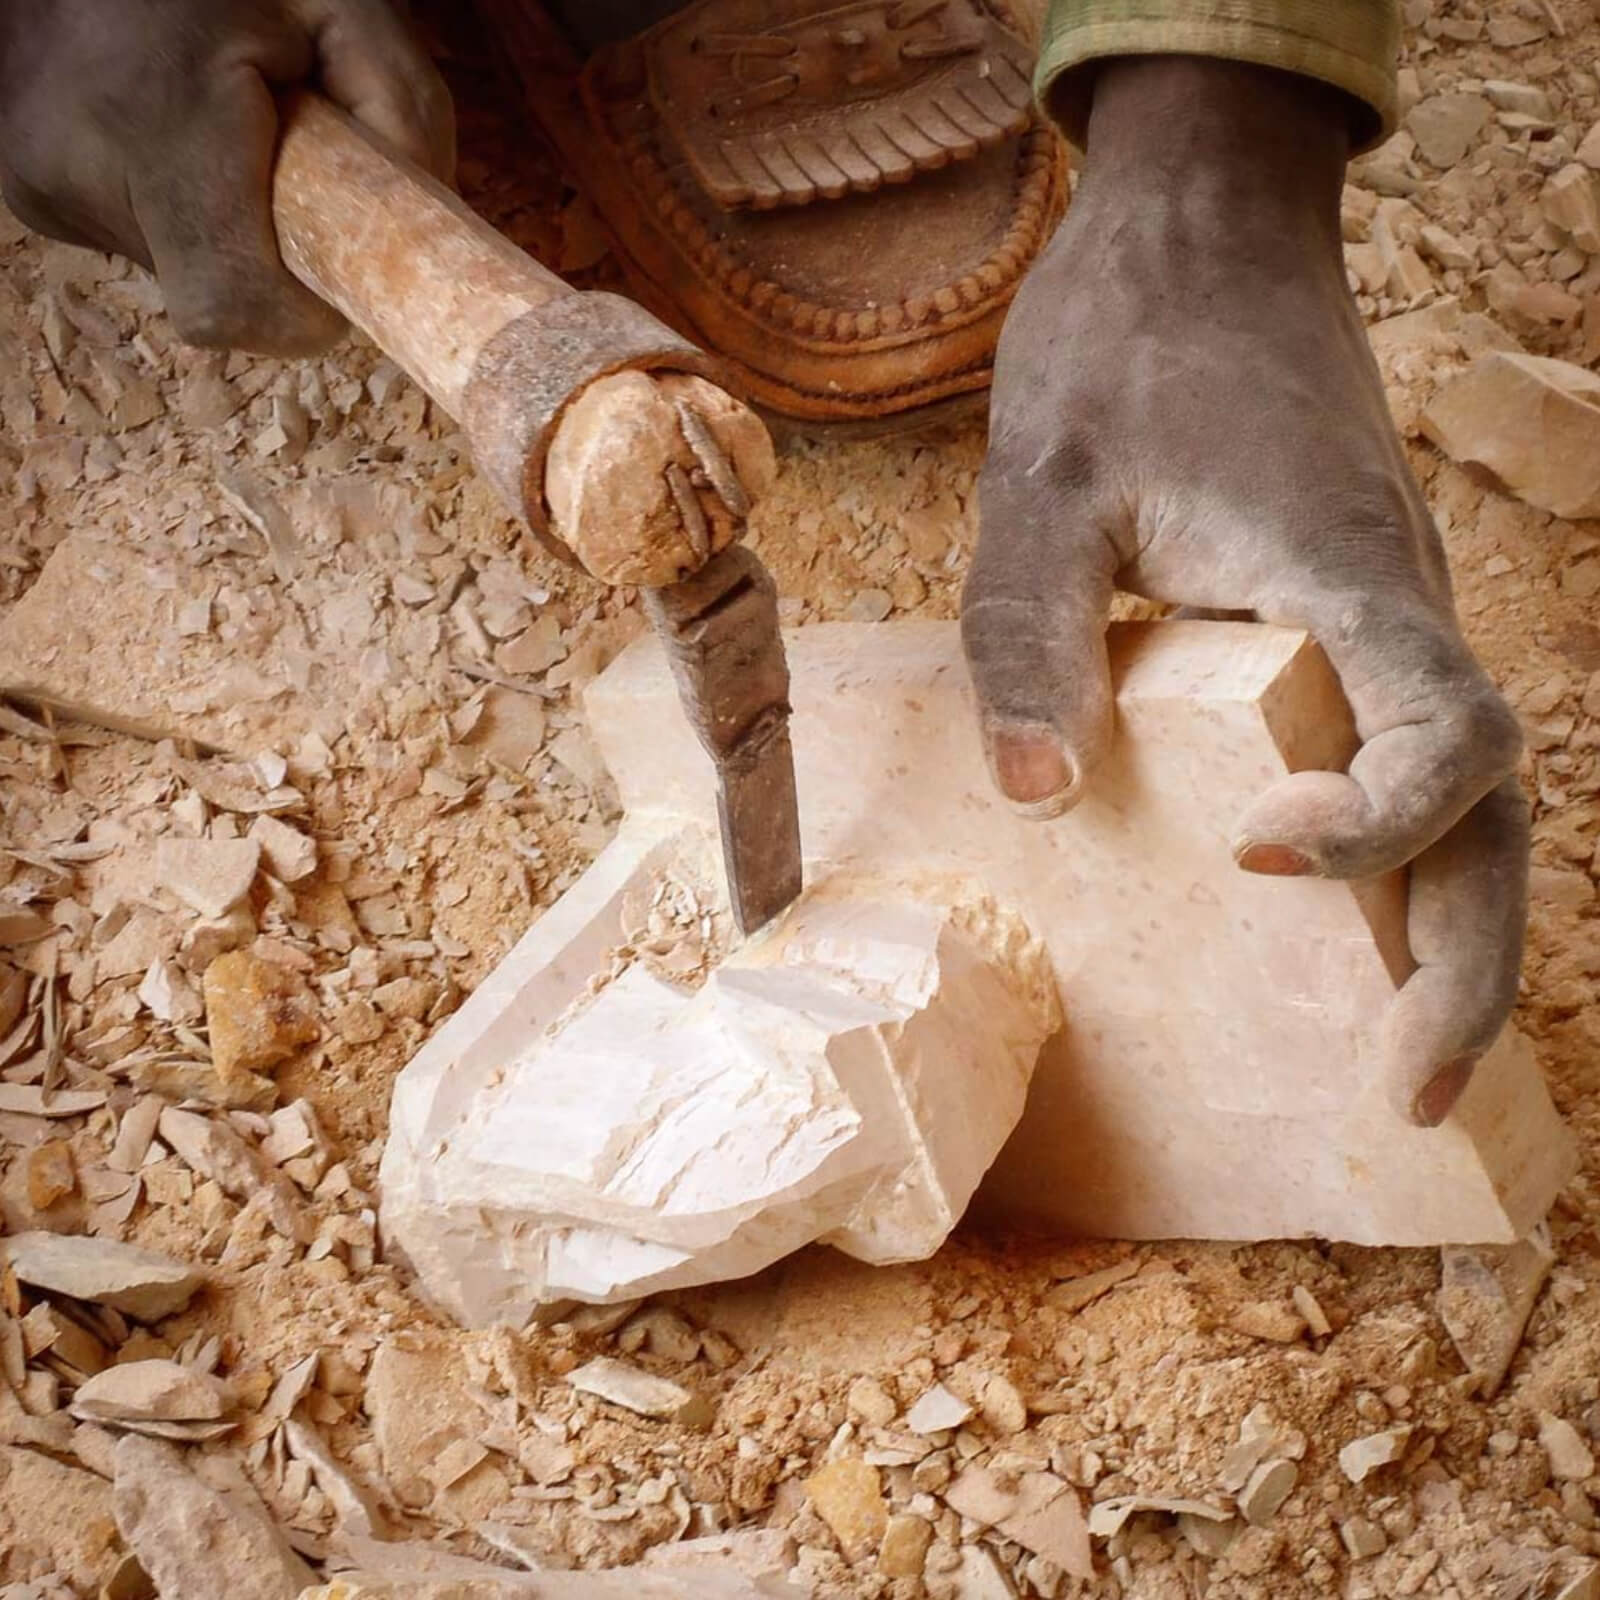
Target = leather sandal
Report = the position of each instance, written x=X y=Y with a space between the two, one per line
x=839 y=199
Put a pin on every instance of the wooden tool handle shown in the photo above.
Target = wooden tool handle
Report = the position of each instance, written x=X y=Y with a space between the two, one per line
x=408 y=262
x=499 y=341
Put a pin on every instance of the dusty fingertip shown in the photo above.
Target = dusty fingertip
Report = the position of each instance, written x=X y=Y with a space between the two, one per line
x=1273 y=860
x=1033 y=772
x=1437 y=1097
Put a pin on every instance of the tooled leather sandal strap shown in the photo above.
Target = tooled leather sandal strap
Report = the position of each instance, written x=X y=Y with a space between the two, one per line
x=831 y=304
x=782 y=102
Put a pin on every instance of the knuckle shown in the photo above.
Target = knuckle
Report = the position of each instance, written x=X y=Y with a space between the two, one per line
x=1491 y=731
x=221 y=316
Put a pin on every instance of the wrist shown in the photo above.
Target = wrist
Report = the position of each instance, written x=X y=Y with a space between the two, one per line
x=1250 y=152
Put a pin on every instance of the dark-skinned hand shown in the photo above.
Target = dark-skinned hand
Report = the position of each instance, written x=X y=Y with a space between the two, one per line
x=148 y=128
x=1185 y=407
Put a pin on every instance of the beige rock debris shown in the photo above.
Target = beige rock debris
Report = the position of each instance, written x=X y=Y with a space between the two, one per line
x=904 y=1548
x=848 y=1495
x=150 y=1391
x=937 y=1410
x=289 y=854
x=208 y=875
x=640 y=1392
x=196 y=1538
x=1363 y=1456
x=55 y=1517
x=1445 y=125
x=258 y=1012
x=1532 y=421
x=1486 y=1295
x=1571 y=1460
x=1571 y=200
x=137 y=1282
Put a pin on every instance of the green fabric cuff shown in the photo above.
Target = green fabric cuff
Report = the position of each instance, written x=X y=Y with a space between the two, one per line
x=1351 y=44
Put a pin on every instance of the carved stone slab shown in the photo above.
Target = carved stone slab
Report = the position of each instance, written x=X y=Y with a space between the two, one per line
x=1215 y=1073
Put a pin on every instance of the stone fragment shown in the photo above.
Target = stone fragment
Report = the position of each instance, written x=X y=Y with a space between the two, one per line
x=871 y=1402
x=32 y=1100
x=406 y=997
x=289 y=854
x=211 y=1147
x=51 y=1175
x=1512 y=32
x=1445 y=126
x=258 y=1013
x=1075 y=1293
x=353 y=1503
x=1571 y=200
x=419 y=1398
x=936 y=1411
x=1142 y=1111
x=1310 y=1309
x=904 y=1548
x=982 y=1495
x=762 y=1555
x=208 y=875
x=1365 y=1455
x=848 y=1496
x=979 y=1576
x=53 y=1518
x=1586 y=1586
x=850 y=1082
x=1570 y=1458
x=1048 y=1520
x=1002 y=1406
x=139 y=1283
x=1205 y=1535
x=150 y=1391
x=1486 y=1295
x=358 y=1022
x=641 y=1392
x=1107 y=1517
x=1532 y=421
x=46 y=1328
x=1270 y=1485
x=1527 y=98
x=1447 y=249
x=1270 y=1320
x=169 y=994
x=1260 y=1437
x=197 y=1539
x=1363 y=1538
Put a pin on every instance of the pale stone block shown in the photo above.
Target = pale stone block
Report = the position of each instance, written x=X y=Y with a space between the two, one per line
x=848 y=1077
x=1216 y=1076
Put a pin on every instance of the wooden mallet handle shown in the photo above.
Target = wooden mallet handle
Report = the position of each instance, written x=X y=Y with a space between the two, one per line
x=500 y=342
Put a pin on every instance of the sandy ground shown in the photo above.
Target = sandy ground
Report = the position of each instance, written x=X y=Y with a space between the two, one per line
x=402 y=667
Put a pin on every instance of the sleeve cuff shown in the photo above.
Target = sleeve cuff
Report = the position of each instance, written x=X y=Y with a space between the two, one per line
x=1351 y=44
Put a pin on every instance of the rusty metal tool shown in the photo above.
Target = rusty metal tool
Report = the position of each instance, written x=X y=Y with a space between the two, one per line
x=510 y=351
x=722 y=637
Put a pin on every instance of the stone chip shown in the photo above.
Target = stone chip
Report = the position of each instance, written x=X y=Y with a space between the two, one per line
x=259 y=1013
x=137 y=1282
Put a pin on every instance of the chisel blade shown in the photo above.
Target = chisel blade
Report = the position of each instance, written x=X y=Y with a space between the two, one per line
x=720 y=628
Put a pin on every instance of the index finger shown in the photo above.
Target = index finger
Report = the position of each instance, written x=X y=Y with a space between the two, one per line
x=1437 y=737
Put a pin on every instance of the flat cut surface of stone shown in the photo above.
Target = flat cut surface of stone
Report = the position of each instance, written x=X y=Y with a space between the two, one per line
x=1217 y=1021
